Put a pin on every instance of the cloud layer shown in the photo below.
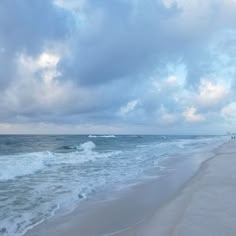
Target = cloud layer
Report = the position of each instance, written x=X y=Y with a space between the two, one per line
x=155 y=66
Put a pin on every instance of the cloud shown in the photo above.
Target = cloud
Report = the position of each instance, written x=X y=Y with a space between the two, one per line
x=167 y=118
x=103 y=64
x=45 y=64
x=191 y=115
x=129 y=107
x=29 y=26
x=37 y=90
x=211 y=94
x=229 y=113
x=172 y=80
x=117 y=40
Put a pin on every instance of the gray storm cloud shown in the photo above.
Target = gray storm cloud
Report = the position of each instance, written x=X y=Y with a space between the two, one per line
x=27 y=26
x=168 y=62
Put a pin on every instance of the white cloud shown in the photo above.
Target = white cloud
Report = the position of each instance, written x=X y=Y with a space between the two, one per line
x=129 y=107
x=191 y=115
x=168 y=3
x=211 y=94
x=229 y=112
x=37 y=89
x=191 y=16
x=172 y=80
x=45 y=63
x=166 y=117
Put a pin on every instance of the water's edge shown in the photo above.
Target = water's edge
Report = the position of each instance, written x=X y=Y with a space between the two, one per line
x=83 y=218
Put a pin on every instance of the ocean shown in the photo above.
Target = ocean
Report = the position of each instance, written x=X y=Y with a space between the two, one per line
x=41 y=175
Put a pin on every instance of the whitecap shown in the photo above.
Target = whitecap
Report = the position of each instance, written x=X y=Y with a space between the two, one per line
x=102 y=136
x=13 y=166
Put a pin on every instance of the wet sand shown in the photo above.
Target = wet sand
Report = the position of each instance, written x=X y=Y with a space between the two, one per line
x=176 y=203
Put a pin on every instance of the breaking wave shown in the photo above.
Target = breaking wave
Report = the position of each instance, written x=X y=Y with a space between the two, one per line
x=18 y=165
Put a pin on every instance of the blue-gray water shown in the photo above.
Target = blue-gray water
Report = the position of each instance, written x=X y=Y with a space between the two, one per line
x=40 y=174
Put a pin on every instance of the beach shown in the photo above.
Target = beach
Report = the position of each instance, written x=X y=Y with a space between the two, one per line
x=206 y=206
x=189 y=201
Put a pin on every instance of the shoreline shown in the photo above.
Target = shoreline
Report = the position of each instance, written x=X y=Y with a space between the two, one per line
x=204 y=206
x=131 y=210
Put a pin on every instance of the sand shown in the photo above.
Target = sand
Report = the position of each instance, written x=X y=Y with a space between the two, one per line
x=206 y=206
x=203 y=204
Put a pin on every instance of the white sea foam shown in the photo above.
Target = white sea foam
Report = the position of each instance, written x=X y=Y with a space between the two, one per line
x=21 y=224
x=22 y=164
x=18 y=165
x=87 y=146
x=69 y=175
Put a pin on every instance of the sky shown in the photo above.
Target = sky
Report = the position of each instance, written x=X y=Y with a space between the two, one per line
x=117 y=66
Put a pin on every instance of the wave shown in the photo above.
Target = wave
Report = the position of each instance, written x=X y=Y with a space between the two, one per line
x=21 y=224
x=59 y=180
x=18 y=165
x=67 y=147
x=87 y=146
x=83 y=147
x=102 y=136
x=22 y=164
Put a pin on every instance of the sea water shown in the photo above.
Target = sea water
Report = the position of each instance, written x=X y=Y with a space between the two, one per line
x=41 y=174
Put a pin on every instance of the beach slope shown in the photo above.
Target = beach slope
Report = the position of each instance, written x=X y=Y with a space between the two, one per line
x=206 y=206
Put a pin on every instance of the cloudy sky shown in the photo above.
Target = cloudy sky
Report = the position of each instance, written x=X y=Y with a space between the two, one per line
x=118 y=66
